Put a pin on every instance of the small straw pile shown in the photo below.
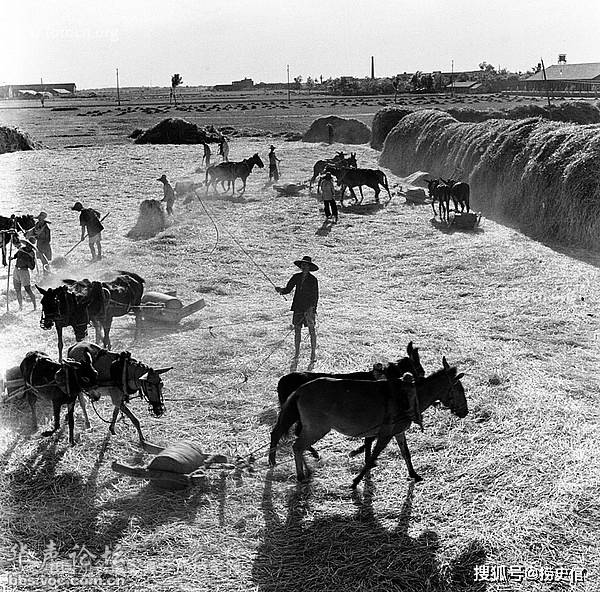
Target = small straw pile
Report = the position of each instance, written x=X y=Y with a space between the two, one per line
x=151 y=220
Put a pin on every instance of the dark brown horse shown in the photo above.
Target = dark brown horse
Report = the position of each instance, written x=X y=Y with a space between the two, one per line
x=350 y=178
x=122 y=376
x=439 y=192
x=330 y=164
x=290 y=382
x=60 y=382
x=359 y=408
x=77 y=303
x=460 y=193
x=230 y=171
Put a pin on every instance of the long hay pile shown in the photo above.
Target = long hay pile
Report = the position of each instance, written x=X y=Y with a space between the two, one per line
x=174 y=130
x=383 y=122
x=13 y=140
x=542 y=175
x=347 y=131
x=151 y=220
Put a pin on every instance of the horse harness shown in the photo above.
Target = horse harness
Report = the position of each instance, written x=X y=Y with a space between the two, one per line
x=63 y=316
x=61 y=379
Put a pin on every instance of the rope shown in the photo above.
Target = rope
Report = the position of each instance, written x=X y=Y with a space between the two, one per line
x=213 y=222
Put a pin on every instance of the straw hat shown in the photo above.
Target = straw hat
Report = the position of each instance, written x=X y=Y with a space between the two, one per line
x=272 y=147
x=77 y=206
x=163 y=177
x=41 y=216
x=306 y=259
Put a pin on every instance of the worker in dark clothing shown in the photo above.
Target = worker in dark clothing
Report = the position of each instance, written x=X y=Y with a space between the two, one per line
x=41 y=233
x=273 y=170
x=304 y=305
x=24 y=261
x=90 y=223
x=326 y=189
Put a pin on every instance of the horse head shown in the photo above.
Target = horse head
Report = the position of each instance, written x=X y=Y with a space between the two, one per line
x=257 y=161
x=454 y=398
x=150 y=386
x=51 y=306
x=351 y=160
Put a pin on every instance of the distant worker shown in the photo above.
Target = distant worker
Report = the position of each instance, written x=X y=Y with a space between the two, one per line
x=42 y=99
x=25 y=260
x=224 y=149
x=327 y=191
x=207 y=154
x=330 y=133
x=41 y=233
x=273 y=160
x=90 y=223
x=304 y=306
x=169 y=194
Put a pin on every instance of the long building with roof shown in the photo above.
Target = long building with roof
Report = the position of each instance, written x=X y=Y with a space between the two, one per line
x=565 y=77
x=58 y=89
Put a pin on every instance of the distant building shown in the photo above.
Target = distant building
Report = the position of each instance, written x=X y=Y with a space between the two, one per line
x=13 y=91
x=565 y=77
x=245 y=84
x=469 y=86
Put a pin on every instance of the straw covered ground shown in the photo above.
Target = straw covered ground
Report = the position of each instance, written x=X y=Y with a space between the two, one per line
x=515 y=483
x=542 y=176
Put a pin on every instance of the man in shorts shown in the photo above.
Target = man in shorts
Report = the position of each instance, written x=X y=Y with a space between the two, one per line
x=207 y=154
x=89 y=220
x=326 y=189
x=304 y=305
x=168 y=193
x=24 y=261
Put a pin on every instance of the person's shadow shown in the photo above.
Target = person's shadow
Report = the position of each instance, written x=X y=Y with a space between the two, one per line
x=325 y=228
x=354 y=552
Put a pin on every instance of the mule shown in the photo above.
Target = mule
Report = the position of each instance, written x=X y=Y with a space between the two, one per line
x=10 y=226
x=60 y=382
x=290 y=382
x=439 y=192
x=377 y=410
x=350 y=178
x=77 y=303
x=230 y=171
x=339 y=160
x=460 y=193
x=121 y=376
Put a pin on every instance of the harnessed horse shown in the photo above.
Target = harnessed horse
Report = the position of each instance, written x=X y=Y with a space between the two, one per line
x=122 y=376
x=331 y=164
x=61 y=382
x=230 y=171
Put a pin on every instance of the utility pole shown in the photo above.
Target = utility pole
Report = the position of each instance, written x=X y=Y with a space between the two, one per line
x=118 y=95
x=452 y=80
x=288 y=82
x=546 y=81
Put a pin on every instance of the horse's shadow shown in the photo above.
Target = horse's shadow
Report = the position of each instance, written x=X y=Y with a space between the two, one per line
x=362 y=209
x=446 y=228
x=354 y=552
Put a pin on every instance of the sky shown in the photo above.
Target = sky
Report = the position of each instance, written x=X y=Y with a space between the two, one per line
x=216 y=41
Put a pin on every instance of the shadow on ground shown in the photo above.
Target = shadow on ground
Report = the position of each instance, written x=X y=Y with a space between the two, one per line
x=354 y=552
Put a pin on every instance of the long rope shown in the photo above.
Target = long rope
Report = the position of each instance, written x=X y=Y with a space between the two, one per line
x=213 y=222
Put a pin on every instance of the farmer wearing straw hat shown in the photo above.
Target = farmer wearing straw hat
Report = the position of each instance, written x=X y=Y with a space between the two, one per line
x=41 y=232
x=224 y=149
x=326 y=189
x=273 y=160
x=89 y=220
x=304 y=304
x=25 y=260
x=169 y=194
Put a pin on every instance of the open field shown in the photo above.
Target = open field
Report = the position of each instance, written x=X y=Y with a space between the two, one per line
x=515 y=483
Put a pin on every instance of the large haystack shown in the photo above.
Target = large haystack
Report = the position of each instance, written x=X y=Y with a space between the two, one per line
x=13 y=140
x=177 y=131
x=151 y=220
x=385 y=119
x=542 y=175
x=346 y=131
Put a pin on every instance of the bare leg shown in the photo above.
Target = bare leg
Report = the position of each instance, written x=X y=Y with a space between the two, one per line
x=31 y=296
x=297 y=340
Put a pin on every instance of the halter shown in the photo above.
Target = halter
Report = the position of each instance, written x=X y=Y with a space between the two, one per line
x=61 y=317
x=141 y=384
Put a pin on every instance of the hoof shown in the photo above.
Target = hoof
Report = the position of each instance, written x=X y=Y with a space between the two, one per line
x=48 y=433
x=416 y=478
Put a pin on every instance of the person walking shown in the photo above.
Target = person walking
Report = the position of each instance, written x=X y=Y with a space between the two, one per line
x=41 y=233
x=89 y=220
x=224 y=149
x=207 y=154
x=304 y=305
x=326 y=189
x=24 y=261
x=330 y=133
x=273 y=160
x=169 y=194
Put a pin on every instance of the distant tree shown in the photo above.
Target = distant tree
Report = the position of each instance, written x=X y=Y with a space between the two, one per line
x=415 y=80
x=176 y=80
x=298 y=82
x=310 y=83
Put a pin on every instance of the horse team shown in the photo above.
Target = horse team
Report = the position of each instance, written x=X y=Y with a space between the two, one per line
x=375 y=405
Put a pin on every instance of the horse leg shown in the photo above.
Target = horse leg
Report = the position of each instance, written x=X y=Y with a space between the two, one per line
x=382 y=442
x=377 y=191
x=56 y=405
x=134 y=420
x=60 y=342
x=243 y=189
x=351 y=189
x=71 y=422
x=368 y=442
x=361 y=194
x=387 y=188
x=86 y=419
x=302 y=443
x=106 y=326
x=403 y=445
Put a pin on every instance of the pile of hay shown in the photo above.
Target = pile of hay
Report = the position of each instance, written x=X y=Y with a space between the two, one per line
x=151 y=220
x=177 y=131
x=383 y=122
x=542 y=175
x=346 y=131
x=13 y=140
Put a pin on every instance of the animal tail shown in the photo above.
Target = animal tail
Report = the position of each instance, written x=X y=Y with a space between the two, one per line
x=288 y=416
x=95 y=300
x=133 y=275
x=385 y=183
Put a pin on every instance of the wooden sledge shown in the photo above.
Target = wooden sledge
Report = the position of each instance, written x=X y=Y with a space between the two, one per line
x=177 y=466
x=12 y=384
x=167 y=308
